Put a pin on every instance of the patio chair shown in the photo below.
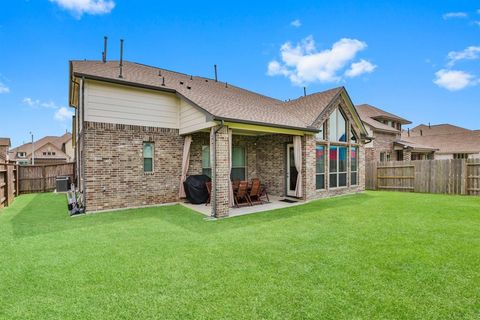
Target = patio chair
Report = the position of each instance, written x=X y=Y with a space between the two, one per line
x=209 y=189
x=255 y=190
x=241 y=196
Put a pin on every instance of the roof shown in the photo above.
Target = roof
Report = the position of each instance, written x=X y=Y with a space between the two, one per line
x=464 y=142
x=429 y=130
x=56 y=141
x=374 y=112
x=5 y=142
x=365 y=115
x=414 y=145
x=220 y=100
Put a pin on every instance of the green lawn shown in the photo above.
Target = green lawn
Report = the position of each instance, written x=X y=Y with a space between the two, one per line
x=381 y=255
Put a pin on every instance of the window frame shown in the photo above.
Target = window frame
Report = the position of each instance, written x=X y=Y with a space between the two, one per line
x=338 y=112
x=244 y=161
x=324 y=173
x=356 y=150
x=207 y=170
x=337 y=173
x=152 y=157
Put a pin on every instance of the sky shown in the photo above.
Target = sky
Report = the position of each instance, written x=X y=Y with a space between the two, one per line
x=417 y=59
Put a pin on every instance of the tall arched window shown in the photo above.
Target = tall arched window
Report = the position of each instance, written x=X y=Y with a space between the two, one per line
x=337 y=127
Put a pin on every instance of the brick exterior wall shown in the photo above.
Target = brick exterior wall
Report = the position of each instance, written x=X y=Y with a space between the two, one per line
x=383 y=142
x=3 y=153
x=113 y=166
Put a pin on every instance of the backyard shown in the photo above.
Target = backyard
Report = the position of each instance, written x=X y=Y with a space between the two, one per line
x=381 y=255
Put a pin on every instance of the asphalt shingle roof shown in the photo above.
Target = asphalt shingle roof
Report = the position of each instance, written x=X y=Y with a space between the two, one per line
x=221 y=100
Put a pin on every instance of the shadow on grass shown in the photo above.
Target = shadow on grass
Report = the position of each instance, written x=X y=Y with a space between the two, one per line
x=47 y=213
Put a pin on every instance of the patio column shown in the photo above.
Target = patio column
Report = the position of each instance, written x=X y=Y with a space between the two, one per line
x=220 y=162
x=309 y=168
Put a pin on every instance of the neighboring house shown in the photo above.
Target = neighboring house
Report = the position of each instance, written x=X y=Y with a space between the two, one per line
x=140 y=130
x=450 y=142
x=4 y=146
x=387 y=144
x=47 y=150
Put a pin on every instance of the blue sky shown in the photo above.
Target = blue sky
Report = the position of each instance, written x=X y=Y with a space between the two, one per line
x=418 y=59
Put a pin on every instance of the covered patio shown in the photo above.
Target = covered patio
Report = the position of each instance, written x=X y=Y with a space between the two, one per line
x=241 y=152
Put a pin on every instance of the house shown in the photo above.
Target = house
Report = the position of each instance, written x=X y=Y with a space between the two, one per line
x=4 y=146
x=140 y=130
x=386 y=130
x=450 y=142
x=47 y=150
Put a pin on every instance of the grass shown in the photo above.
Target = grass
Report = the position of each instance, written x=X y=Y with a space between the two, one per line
x=377 y=255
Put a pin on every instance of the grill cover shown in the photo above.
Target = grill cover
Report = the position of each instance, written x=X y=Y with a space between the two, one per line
x=195 y=188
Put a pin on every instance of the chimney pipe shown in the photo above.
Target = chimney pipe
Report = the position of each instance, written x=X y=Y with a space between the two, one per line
x=104 y=54
x=215 y=67
x=304 y=91
x=408 y=132
x=429 y=127
x=121 y=58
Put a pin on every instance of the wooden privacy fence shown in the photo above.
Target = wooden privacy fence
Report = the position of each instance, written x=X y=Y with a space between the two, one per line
x=8 y=184
x=458 y=176
x=42 y=178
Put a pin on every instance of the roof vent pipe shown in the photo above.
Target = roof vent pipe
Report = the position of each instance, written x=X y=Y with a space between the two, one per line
x=226 y=84
x=121 y=58
x=104 y=53
x=304 y=91
x=429 y=127
x=421 y=132
x=408 y=132
x=159 y=72
x=215 y=67
x=163 y=81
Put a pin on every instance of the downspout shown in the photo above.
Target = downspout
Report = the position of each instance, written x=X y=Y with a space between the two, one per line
x=214 y=205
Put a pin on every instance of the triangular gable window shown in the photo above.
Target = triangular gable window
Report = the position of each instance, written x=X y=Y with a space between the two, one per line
x=337 y=126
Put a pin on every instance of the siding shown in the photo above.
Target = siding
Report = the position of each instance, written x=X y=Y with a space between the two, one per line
x=109 y=103
x=116 y=104
x=192 y=119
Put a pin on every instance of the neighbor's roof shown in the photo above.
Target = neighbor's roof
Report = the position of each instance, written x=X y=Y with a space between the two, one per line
x=221 y=100
x=445 y=128
x=414 y=145
x=464 y=142
x=374 y=112
x=5 y=142
x=365 y=115
x=54 y=140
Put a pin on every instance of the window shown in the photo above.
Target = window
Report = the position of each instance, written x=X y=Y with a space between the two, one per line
x=460 y=156
x=338 y=166
x=148 y=157
x=206 y=167
x=44 y=153
x=337 y=130
x=321 y=134
x=239 y=167
x=382 y=156
x=53 y=153
x=21 y=154
x=388 y=156
x=320 y=176
x=399 y=155
x=353 y=166
x=353 y=136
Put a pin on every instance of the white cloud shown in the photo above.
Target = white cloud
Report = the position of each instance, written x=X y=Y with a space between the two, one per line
x=63 y=114
x=4 y=88
x=454 y=15
x=470 y=53
x=79 y=7
x=296 y=23
x=359 y=68
x=453 y=80
x=303 y=63
x=37 y=103
x=477 y=23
